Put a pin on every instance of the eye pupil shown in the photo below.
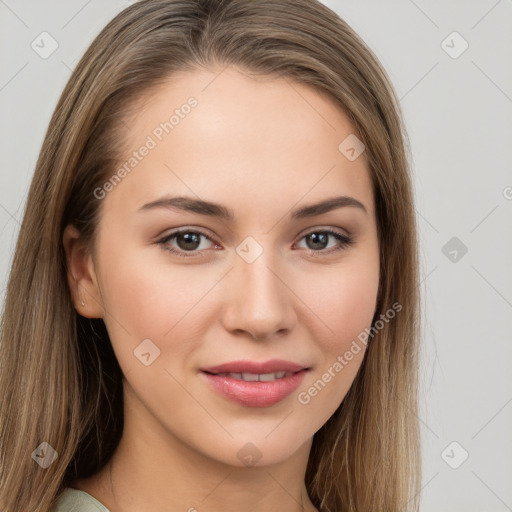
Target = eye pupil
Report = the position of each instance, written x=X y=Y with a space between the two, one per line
x=190 y=238
x=321 y=238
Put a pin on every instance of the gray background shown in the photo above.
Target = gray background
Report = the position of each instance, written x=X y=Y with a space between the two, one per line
x=458 y=110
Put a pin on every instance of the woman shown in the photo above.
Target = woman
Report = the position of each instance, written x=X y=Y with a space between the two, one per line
x=272 y=363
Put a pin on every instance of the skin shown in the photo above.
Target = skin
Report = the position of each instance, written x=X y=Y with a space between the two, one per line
x=261 y=147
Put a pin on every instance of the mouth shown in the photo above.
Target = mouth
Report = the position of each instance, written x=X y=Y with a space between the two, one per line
x=245 y=366
x=255 y=384
x=255 y=377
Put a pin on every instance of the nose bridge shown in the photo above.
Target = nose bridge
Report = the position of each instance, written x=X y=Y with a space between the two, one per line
x=260 y=302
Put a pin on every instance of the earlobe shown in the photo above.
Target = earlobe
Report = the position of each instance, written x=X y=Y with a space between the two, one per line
x=81 y=275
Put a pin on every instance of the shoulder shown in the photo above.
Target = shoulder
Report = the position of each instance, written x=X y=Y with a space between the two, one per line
x=73 y=500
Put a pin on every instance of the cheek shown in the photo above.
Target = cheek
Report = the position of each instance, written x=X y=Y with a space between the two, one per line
x=147 y=293
x=148 y=299
x=345 y=305
x=344 y=302
x=356 y=304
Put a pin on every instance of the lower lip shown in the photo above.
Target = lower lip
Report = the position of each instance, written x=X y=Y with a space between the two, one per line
x=255 y=394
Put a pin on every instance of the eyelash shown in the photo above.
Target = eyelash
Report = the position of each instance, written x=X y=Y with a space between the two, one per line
x=344 y=242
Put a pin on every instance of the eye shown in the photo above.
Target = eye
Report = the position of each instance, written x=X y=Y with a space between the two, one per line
x=189 y=241
x=319 y=239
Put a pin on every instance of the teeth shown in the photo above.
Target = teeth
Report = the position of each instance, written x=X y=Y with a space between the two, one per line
x=253 y=377
x=250 y=376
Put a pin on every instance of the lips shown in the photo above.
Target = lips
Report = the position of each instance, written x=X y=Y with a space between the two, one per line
x=255 y=384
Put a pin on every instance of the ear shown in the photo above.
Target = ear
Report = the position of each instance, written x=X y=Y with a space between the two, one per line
x=81 y=275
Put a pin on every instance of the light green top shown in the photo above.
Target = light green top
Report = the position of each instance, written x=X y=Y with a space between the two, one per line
x=73 y=500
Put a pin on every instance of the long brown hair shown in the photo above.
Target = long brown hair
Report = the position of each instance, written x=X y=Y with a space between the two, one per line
x=59 y=379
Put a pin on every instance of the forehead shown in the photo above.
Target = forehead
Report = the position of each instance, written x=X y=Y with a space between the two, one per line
x=227 y=137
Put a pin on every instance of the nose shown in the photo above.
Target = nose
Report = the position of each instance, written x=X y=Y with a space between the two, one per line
x=259 y=301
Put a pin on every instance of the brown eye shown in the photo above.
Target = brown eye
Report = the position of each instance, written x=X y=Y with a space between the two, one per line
x=317 y=241
x=187 y=241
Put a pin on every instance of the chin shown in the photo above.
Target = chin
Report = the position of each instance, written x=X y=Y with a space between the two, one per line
x=257 y=450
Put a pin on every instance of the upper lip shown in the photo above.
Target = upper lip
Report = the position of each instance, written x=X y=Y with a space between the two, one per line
x=245 y=366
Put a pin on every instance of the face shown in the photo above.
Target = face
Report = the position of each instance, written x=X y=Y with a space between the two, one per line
x=262 y=283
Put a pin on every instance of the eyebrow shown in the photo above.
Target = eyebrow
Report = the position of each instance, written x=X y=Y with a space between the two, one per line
x=216 y=210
